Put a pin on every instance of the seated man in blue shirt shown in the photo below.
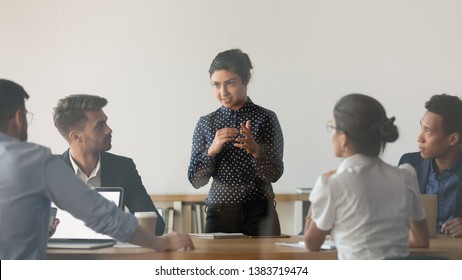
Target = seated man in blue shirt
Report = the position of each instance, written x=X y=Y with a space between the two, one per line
x=439 y=160
x=81 y=121
x=31 y=177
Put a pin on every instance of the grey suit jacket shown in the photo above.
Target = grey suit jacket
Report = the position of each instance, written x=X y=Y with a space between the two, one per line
x=119 y=171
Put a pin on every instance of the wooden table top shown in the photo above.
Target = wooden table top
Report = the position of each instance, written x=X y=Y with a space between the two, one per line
x=243 y=249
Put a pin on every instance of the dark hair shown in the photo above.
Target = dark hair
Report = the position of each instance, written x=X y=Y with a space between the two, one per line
x=12 y=98
x=364 y=121
x=235 y=61
x=70 y=111
x=450 y=109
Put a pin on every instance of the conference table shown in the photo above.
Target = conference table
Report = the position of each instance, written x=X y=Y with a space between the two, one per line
x=243 y=249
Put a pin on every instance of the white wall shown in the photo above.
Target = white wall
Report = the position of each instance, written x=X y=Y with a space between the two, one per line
x=150 y=59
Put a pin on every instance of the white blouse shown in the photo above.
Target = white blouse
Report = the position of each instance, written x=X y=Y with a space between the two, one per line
x=368 y=206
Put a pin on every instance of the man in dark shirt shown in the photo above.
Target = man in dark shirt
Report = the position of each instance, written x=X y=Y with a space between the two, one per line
x=81 y=121
x=439 y=161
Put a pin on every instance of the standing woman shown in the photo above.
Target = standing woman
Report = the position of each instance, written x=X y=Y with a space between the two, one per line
x=240 y=146
x=373 y=210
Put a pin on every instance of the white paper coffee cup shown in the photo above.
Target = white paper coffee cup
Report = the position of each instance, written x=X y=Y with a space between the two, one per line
x=147 y=220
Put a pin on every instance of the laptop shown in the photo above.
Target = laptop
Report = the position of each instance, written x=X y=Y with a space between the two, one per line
x=72 y=233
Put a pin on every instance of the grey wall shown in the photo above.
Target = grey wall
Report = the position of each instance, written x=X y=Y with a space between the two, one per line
x=150 y=59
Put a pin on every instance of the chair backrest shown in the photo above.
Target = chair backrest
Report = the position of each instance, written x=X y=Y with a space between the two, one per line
x=430 y=203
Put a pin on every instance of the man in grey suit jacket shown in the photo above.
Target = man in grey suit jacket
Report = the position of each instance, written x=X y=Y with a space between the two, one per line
x=82 y=122
x=439 y=161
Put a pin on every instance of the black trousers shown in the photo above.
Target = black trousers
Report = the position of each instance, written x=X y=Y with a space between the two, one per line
x=254 y=218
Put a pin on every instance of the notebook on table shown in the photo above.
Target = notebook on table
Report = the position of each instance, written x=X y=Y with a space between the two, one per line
x=219 y=235
x=72 y=233
x=282 y=235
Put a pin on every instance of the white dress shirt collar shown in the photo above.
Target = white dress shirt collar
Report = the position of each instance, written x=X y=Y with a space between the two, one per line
x=94 y=180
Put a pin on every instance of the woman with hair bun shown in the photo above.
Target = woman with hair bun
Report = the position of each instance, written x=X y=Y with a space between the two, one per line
x=372 y=210
x=240 y=146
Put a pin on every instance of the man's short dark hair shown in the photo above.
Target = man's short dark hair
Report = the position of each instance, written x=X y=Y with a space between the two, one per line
x=70 y=112
x=12 y=98
x=450 y=109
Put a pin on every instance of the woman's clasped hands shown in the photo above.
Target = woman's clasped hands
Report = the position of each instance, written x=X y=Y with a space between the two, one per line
x=227 y=134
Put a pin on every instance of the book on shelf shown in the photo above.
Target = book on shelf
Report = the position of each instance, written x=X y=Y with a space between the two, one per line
x=193 y=218
x=194 y=221
x=199 y=218
x=219 y=235
x=161 y=212
x=304 y=190
x=186 y=217
x=169 y=219
x=203 y=216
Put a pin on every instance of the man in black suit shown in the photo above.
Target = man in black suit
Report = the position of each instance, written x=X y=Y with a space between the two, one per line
x=439 y=161
x=81 y=121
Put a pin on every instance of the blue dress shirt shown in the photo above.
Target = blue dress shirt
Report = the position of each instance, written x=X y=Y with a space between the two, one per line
x=445 y=186
x=30 y=178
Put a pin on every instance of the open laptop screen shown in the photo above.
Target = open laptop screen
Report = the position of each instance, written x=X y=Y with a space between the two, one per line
x=73 y=228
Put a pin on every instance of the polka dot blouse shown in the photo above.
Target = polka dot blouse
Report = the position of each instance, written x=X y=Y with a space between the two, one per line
x=238 y=178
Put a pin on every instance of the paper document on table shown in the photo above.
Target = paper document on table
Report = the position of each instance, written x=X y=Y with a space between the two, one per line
x=300 y=244
x=120 y=244
x=327 y=245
